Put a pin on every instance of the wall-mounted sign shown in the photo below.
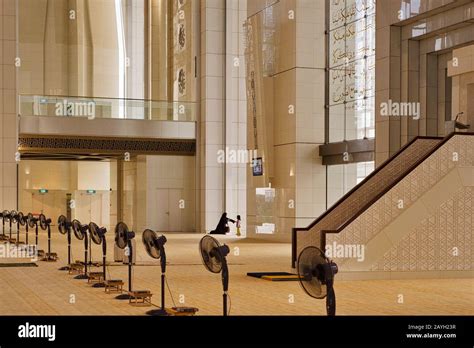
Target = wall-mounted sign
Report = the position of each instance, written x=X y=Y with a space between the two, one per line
x=43 y=191
x=265 y=228
x=91 y=192
x=257 y=166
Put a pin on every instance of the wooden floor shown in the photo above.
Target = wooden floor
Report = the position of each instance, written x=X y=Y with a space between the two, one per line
x=44 y=290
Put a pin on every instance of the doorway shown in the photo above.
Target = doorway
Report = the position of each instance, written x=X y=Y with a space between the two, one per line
x=169 y=208
x=78 y=189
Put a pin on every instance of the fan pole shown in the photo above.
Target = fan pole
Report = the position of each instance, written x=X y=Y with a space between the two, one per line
x=10 y=229
x=163 y=291
x=104 y=255
x=163 y=271
x=17 y=232
x=84 y=276
x=36 y=232
x=90 y=249
x=85 y=255
x=225 y=284
x=49 y=243
x=27 y=234
x=69 y=247
x=224 y=298
x=331 y=301
x=68 y=267
x=130 y=265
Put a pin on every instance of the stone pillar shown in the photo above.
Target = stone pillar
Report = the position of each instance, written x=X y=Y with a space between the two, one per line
x=222 y=124
x=288 y=57
x=212 y=118
x=8 y=105
x=235 y=111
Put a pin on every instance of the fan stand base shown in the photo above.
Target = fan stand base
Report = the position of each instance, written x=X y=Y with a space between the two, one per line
x=158 y=312
x=81 y=276
x=49 y=259
x=98 y=285
x=64 y=268
x=123 y=297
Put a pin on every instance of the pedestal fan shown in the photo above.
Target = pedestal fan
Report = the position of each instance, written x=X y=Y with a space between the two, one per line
x=25 y=223
x=316 y=273
x=123 y=239
x=98 y=237
x=45 y=225
x=20 y=221
x=155 y=247
x=33 y=222
x=4 y=215
x=12 y=220
x=64 y=227
x=80 y=231
x=214 y=259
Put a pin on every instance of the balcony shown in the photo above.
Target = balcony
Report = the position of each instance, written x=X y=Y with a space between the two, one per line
x=106 y=117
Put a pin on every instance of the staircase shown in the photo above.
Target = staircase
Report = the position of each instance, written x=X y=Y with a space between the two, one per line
x=414 y=213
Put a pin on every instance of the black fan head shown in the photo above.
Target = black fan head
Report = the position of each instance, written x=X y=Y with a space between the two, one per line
x=153 y=243
x=14 y=216
x=63 y=224
x=31 y=220
x=6 y=215
x=123 y=235
x=44 y=222
x=77 y=229
x=313 y=267
x=212 y=253
x=97 y=232
x=21 y=219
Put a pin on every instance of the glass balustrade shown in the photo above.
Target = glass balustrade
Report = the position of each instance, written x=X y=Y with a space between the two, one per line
x=91 y=108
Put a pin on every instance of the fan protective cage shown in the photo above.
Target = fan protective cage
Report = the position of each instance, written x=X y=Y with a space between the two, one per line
x=21 y=219
x=149 y=238
x=62 y=224
x=121 y=235
x=94 y=230
x=210 y=254
x=310 y=272
x=76 y=227
x=31 y=220
x=42 y=221
x=6 y=214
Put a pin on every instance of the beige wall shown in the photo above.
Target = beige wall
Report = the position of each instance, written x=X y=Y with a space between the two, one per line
x=223 y=112
x=462 y=73
x=288 y=57
x=410 y=54
x=79 y=53
x=159 y=194
x=61 y=178
x=174 y=176
x=8 y=105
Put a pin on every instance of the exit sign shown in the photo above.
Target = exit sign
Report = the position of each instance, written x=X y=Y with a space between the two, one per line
x=43 y=191
x=91 y=192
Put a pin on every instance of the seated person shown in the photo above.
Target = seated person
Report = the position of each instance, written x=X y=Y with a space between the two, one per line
x=223 y=225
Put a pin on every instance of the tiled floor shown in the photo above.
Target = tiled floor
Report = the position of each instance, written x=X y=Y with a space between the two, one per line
x=45 y=290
